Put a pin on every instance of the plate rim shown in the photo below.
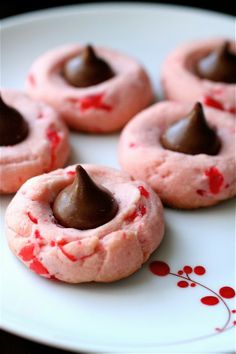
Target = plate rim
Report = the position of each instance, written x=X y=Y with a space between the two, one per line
x=67 y=10
x=56 y=11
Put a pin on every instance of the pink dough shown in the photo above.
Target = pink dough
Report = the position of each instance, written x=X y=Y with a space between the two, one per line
x=44 y=149
x=181 y=180
x=101 y=108
x=104 y=254
x=180 y=83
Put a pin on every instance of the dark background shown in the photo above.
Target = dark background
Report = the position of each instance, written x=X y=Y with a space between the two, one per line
x=12 y=344
x=14 y=7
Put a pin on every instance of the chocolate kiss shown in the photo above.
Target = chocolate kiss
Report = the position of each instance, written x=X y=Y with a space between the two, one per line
x=192 y=135
x=83 y=204
x=87 y=69
x=13 y=127
x=219 y=65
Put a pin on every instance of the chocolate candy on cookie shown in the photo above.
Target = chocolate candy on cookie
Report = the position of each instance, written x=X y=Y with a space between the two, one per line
x=84 y=223
x=83 y=204
x=33 y=140
x=219 y=65
x=87 y=69
x=184 y=151
x=202 y=71
x=95 y=89
x=192 y=135
x=13 y=127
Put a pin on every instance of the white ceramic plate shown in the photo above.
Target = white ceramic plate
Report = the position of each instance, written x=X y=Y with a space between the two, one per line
x=144 y=312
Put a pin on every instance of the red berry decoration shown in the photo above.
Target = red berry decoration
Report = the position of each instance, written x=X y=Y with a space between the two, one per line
x=182 y=284
x=188 y=269
x=159 y=268
x=227 y=292
x=162 y=269
x=210 y=300
x=199 y=270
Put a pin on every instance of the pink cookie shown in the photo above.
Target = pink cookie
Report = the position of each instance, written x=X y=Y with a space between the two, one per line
x=104 y=254
x=44 y=149
x=180 y=82
x=181 y=180
x=101 y=108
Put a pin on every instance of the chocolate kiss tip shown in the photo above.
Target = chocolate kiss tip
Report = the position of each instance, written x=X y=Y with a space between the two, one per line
x=84 y=205
x=87 y=69
x=192 y=135
x=197 y=105
x=197 y=113
x=225 y=47
x=13 y=127
x=89 y=51
x=198 y=108
x=2 y=103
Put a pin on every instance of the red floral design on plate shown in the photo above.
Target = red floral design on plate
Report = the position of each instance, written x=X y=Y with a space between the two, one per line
x=182 y=284
x=227 y=292
x=161 y=268
x=187 y=269
x=210 y=300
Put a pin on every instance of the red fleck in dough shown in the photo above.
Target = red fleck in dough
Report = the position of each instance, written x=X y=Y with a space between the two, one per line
x=143 y=191
x=71 y=173
x=216 y=179
x=181 y=180
x=68 y=255
x=211 y=102
x=31 y=217
x=31 y=79
x=101 y=108
x=38 y=267
x=45 y=148
x=91 y=102
x=27 y=253
x=138 y=212
x=180 y=83
x=110 y=252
